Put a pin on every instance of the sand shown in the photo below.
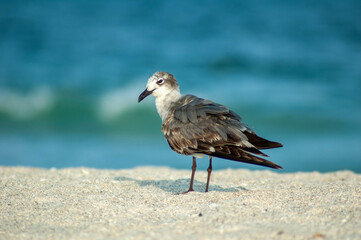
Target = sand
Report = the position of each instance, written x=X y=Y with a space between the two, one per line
x=141 y=203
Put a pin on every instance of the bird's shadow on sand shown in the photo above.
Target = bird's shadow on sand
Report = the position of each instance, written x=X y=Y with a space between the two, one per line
x=179 y=185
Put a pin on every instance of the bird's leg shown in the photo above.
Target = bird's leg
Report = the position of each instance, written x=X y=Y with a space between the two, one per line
x=209 y=170
x=194 y=167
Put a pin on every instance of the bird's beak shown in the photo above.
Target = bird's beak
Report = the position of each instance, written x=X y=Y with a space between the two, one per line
x=144 y=94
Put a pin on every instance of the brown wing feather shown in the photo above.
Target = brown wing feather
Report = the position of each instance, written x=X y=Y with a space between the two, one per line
x=237 y=154
x=196 y=125
x=261 y=143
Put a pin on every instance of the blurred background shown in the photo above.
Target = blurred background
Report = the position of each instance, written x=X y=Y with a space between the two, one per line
x=71 y=73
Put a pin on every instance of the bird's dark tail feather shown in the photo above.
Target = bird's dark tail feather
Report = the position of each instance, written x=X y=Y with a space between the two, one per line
x=261 y=143
x=238 y=155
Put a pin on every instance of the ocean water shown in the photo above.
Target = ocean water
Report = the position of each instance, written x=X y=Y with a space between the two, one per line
x=71 y=73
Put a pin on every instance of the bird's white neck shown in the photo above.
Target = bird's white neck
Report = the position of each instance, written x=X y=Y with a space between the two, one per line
x=165 y=101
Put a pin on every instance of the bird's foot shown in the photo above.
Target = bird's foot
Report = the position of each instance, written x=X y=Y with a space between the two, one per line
x=189 y=190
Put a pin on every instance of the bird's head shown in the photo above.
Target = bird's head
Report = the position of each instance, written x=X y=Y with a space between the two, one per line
x=159 y=84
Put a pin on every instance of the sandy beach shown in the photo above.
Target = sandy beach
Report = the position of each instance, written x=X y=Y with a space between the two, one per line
x=141 y=203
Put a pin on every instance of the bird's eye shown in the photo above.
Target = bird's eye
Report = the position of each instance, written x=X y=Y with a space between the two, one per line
x=160 y=81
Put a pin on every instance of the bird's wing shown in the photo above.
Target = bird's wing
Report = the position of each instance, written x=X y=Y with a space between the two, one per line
x=195 y=121
x=196 y=125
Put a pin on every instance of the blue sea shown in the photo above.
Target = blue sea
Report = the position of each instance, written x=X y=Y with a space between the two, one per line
x=71 y=73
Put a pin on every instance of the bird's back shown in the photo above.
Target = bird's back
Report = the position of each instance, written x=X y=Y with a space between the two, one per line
x=196 y=125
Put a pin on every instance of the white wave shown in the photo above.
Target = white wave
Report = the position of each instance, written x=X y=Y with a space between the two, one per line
x=114 y=103
x=25 y=106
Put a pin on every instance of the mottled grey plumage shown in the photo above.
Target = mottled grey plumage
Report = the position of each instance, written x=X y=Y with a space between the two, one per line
x=196 y=126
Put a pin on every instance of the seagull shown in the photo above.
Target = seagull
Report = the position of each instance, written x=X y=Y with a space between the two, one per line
x=200 y=127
